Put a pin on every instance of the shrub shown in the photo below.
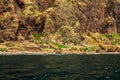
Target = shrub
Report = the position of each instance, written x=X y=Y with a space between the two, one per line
x=37 y=36
x=3 y=49
x=87 y=48
x=113 y=36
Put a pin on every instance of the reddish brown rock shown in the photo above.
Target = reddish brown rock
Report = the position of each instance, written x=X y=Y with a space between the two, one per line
x=19 y=19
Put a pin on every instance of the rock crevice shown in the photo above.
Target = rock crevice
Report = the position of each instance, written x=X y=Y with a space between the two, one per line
x=19 y=19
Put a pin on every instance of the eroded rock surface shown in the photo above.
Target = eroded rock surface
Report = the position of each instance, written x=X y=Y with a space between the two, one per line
x=64 y=21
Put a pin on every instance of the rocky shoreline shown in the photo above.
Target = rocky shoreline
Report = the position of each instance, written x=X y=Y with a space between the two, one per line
x=57 y=53
x=59 y=26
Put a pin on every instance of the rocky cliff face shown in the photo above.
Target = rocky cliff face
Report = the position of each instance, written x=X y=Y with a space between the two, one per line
x=59 y=20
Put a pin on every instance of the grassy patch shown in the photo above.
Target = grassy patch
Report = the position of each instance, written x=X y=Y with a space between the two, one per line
x=113 y=36
x=57 y=44
x=88 y=48
x=37 y=36
x=115 y=42
x=3 y=49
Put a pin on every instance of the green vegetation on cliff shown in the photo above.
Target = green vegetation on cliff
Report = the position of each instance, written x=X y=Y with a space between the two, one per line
x=82 y=25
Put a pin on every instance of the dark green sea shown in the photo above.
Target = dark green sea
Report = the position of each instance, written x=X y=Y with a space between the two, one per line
x=60 y=67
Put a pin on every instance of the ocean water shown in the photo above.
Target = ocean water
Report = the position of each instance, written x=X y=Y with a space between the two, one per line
x=60 y=67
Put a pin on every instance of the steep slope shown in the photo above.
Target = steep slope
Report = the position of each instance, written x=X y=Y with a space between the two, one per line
x=64 y=21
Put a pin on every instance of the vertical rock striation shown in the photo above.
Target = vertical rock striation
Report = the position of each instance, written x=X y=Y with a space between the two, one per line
x=64 y=20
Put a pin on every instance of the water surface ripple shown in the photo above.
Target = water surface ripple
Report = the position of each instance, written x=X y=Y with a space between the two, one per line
x=60 y=67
